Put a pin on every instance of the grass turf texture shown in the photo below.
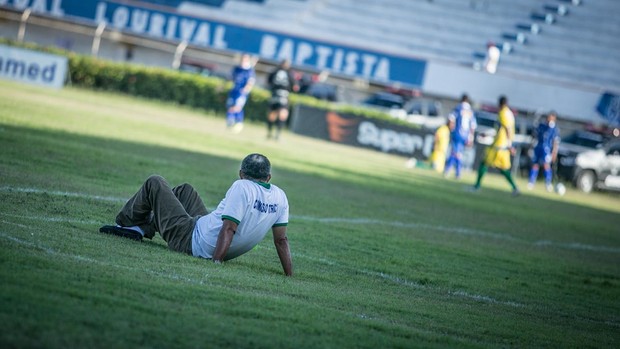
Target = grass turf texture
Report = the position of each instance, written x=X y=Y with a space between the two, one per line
x=384 y=256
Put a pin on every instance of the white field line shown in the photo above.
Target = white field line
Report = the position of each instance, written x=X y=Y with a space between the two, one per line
x=458 y=293
x=174 y=276
x=171 y=276
x=27 y=243
x=62 y=193
x=397 y=224
x=326 y=220
x=12 y=223
x=48 y=219
x=79 y=258
x=577 y=246
x=414 y=284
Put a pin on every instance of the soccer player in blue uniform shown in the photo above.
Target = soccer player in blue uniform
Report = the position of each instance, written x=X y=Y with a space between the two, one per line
x=546 y=150
x=243 y=78
x=461 y=136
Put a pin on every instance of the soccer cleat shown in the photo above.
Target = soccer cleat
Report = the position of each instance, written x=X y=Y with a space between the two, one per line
x=122 y=232
x=530 y=186
x=472 y=189
x=515 y=193
x=549 y=187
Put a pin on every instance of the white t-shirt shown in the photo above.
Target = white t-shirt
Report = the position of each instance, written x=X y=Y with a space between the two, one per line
x=256 y=207
x=492 y=59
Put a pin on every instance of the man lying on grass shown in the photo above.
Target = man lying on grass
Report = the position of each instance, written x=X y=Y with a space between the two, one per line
x=250 y=208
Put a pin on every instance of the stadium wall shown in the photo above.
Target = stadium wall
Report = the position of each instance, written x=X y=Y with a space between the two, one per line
x=164 y=23
x=157 y=25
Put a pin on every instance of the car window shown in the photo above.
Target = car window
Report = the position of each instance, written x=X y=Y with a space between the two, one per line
x=485 y=119
x=323 y=91
x=433 y=110
x=614 y=150
x=485 y=122
x=424 y=107
x=584 y=139
x=415 y=108
x=385 y=102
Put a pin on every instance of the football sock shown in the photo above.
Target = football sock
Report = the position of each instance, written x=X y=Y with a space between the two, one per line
x=448 y=165
x=457 y=167
x=269 y=127
x=239 y=116
x=533 y=175
x=508 y=176
x=230 y=119
x=548 y=176
x=279 y=126
x=481 y=171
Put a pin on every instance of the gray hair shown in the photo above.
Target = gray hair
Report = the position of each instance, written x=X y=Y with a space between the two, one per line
x=256 y=166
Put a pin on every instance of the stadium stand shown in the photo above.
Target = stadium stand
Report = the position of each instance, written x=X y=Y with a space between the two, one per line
x=176 y=3
x=581 y=45
x=570 y=41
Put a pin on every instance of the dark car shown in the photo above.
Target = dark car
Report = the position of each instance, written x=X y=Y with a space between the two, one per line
x=424 y=112
x=324 y=91
x=589 y=160
x=389 y=103
x=202 y=68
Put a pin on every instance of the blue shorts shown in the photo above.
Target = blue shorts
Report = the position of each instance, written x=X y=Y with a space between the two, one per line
x=541 y=156
x=457 y=147
x=236 y=100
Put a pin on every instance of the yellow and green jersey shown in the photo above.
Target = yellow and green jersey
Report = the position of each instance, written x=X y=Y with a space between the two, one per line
x=442 y=140
x=506 y=130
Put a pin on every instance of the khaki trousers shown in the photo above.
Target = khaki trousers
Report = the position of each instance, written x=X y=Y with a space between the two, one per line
x=172 y=212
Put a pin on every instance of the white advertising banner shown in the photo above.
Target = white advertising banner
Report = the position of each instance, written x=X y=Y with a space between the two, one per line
x=32 y=67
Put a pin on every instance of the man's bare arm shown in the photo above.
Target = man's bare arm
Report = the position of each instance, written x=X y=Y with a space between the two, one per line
x=281 y=242
x=224 y=239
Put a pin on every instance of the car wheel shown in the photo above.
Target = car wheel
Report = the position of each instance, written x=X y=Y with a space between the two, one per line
x=585 y=181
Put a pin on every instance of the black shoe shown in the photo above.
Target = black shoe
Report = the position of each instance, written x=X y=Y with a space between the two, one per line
x=123 y=232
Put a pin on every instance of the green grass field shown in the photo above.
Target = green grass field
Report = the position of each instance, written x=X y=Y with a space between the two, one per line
x=384 y=256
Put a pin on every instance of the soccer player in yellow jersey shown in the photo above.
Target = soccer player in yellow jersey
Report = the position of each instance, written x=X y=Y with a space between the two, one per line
x=440 y=147
x=498 y=154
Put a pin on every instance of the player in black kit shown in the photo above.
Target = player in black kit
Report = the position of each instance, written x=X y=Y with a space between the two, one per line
x=281 y=83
